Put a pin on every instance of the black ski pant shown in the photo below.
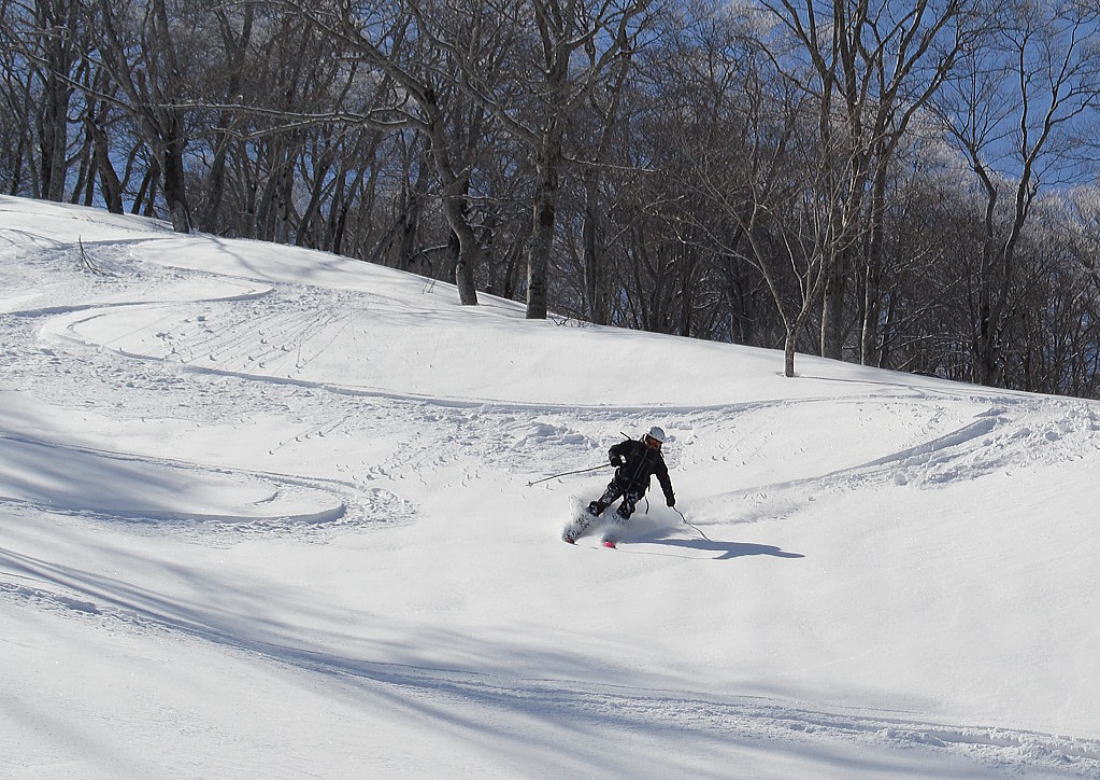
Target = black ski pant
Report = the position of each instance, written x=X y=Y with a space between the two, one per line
x=631 y=495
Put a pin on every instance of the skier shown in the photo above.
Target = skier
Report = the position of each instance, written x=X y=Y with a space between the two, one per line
x=635 y=462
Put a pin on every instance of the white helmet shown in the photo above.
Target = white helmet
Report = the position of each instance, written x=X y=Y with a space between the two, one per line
x=657 y=432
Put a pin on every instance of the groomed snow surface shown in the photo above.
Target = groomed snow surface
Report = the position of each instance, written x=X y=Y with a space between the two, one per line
x=266 y=513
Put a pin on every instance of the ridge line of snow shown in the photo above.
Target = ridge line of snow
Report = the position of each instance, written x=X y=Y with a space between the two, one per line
x=955 y=438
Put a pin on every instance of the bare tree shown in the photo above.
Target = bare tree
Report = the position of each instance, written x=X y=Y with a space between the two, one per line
x=870 y=66
x=58 y=26
x=605 y=107
x=139 y=50
x=236 y=29
x=1013 y=117
x=16 y=104
x=43 y=47
x=575 y=42
x=98 y=121
x=422 y=94
x=785 y=220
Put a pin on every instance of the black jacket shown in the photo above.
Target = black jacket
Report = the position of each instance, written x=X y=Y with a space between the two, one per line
x=642 y=462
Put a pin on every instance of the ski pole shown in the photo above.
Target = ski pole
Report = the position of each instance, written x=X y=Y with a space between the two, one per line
x=681 y=514
x=565 y=474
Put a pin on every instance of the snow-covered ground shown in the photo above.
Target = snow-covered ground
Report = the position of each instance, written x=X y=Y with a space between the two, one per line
x=266 y=513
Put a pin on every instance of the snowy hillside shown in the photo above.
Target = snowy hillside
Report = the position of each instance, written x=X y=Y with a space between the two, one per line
x=266 y=513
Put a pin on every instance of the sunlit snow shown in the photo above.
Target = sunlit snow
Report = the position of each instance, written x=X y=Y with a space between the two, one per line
x=267 y=513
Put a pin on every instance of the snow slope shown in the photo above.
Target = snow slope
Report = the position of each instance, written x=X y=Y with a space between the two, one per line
x=266 y=513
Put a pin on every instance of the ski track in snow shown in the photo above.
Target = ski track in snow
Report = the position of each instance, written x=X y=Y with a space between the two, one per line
x=202 y=348
x=310 y=506
x=1001 y=434
x=238 y=333
x=249 y=346
x=210 y=351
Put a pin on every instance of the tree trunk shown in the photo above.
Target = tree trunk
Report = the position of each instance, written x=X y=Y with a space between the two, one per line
x=469 y=253
x=410 y=218
x=872 y=277
x=17 y=174
x=595 y=276
x=322 y=164
x=215 y=180
x=544 y=218
x=175 y=188
x=538 y=255
x=832 y=307
x=788 y=353
x=109 y=183
x=53 y=137
x=147 y=190
x=85 y=175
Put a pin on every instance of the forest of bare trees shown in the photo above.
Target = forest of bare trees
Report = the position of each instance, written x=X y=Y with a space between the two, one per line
x=905 y=185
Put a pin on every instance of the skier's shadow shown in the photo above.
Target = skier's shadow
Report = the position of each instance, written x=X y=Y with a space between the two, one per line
x=728 y=550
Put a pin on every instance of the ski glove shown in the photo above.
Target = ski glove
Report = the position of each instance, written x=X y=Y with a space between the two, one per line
x=617 y=460
x=671 y=500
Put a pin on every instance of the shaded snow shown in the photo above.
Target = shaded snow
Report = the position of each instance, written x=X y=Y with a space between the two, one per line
x=266 y=513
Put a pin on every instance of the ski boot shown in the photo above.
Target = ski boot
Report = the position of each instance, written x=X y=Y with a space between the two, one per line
x=614 y=531
x=575 y=530
x=579 y=526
